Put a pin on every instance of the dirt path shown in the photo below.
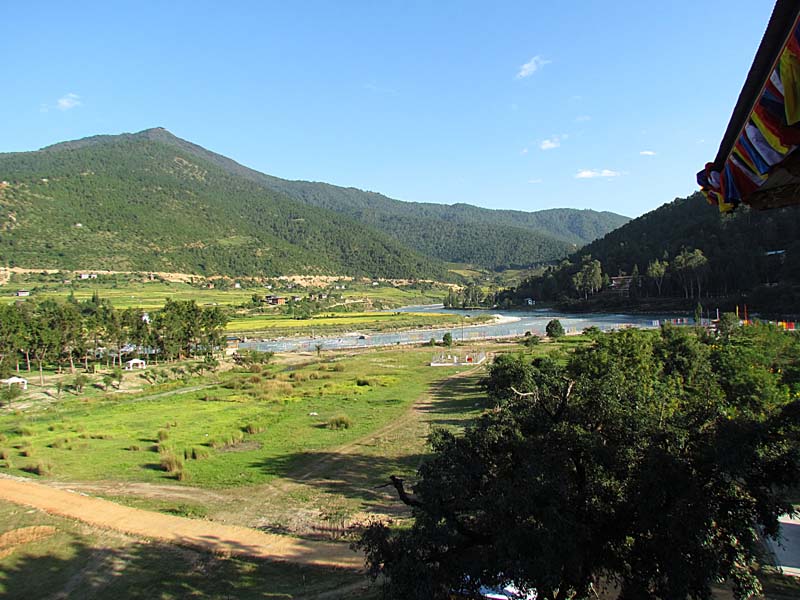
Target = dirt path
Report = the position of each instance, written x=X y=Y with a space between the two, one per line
x=206 y=535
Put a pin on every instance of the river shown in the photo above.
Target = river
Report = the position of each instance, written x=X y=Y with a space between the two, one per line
x=508 y=324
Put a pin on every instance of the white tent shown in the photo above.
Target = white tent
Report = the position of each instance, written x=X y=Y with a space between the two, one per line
x=18 y=380
x=135 y=363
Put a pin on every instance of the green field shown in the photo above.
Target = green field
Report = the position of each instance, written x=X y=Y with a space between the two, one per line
x=127 y=291
x=149 y=295
x=345 y=322
x=249 y=427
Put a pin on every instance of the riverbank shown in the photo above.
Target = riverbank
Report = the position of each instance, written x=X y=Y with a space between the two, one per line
x=506 y=324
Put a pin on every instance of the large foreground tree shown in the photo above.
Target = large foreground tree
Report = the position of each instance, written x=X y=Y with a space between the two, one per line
x=648 y=463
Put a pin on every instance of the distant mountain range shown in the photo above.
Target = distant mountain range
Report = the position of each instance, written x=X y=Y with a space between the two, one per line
x=152 y=201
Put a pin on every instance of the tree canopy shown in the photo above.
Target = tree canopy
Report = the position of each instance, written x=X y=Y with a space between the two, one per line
x=648 y=463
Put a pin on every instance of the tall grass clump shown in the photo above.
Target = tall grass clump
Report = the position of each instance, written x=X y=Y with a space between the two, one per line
x=340 y=422
x=196 y=453
x=253 y=428
x=163 y=435
x=172 y=464
x=41 y=468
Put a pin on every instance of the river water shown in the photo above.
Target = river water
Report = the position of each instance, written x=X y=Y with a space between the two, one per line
x=511 y=324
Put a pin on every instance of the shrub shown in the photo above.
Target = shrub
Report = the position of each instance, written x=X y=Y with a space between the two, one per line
x=163 y=435
x=362 y=382
x=554 y=329
x=26 y=452
x=5 y=454
x=340 y=422
x=79 y=383
x=531 y=341
x=337 y=367
x=447 y=339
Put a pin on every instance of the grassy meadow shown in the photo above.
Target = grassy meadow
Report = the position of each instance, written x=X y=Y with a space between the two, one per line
x=129 y=291
x=229 y=429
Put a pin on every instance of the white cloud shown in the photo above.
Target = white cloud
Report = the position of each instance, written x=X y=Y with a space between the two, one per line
x=592 y=173
x=551 y=142
x=530 y=67
x=68 y=101
x=647 y=153
x=534 y=181
x=583 y=118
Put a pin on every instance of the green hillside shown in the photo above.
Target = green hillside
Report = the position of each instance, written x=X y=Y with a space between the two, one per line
x=455 y=233
x=748 y=254
x=133 y=202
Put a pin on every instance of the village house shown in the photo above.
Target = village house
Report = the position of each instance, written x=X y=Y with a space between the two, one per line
x=23 y=293
x=20 y=381
x=135 y=363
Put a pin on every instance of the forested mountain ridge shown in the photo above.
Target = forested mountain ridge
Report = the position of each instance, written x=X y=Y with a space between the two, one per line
x=133 y=202
x=687 y=249
x=456 y=233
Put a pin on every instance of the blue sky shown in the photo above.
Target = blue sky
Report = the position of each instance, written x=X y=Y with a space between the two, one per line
x=524 y=105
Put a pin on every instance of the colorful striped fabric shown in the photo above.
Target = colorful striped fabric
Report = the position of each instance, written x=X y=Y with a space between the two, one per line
x=770 y=134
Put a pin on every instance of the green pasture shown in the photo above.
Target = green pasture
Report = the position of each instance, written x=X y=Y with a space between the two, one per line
x=374 y=321
x=241 y=428
x=397 y=296
x=126 y=292
x=146 y=295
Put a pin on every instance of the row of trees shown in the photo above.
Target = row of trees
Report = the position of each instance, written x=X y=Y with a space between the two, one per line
x=684 y=275
x=646 y=462
x=686 y=249
x=470 y=296
x=62 y=334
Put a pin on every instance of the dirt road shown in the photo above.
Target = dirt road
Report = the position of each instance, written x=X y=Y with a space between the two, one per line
x=207 y=535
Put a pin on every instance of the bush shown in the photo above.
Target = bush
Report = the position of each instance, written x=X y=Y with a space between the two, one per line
x=447 y=339
x=163 y=435
x=362 y=382
x=337 y=367
x=340 y=422
x=5 y=454
x=531 y=340
x=554 y=329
